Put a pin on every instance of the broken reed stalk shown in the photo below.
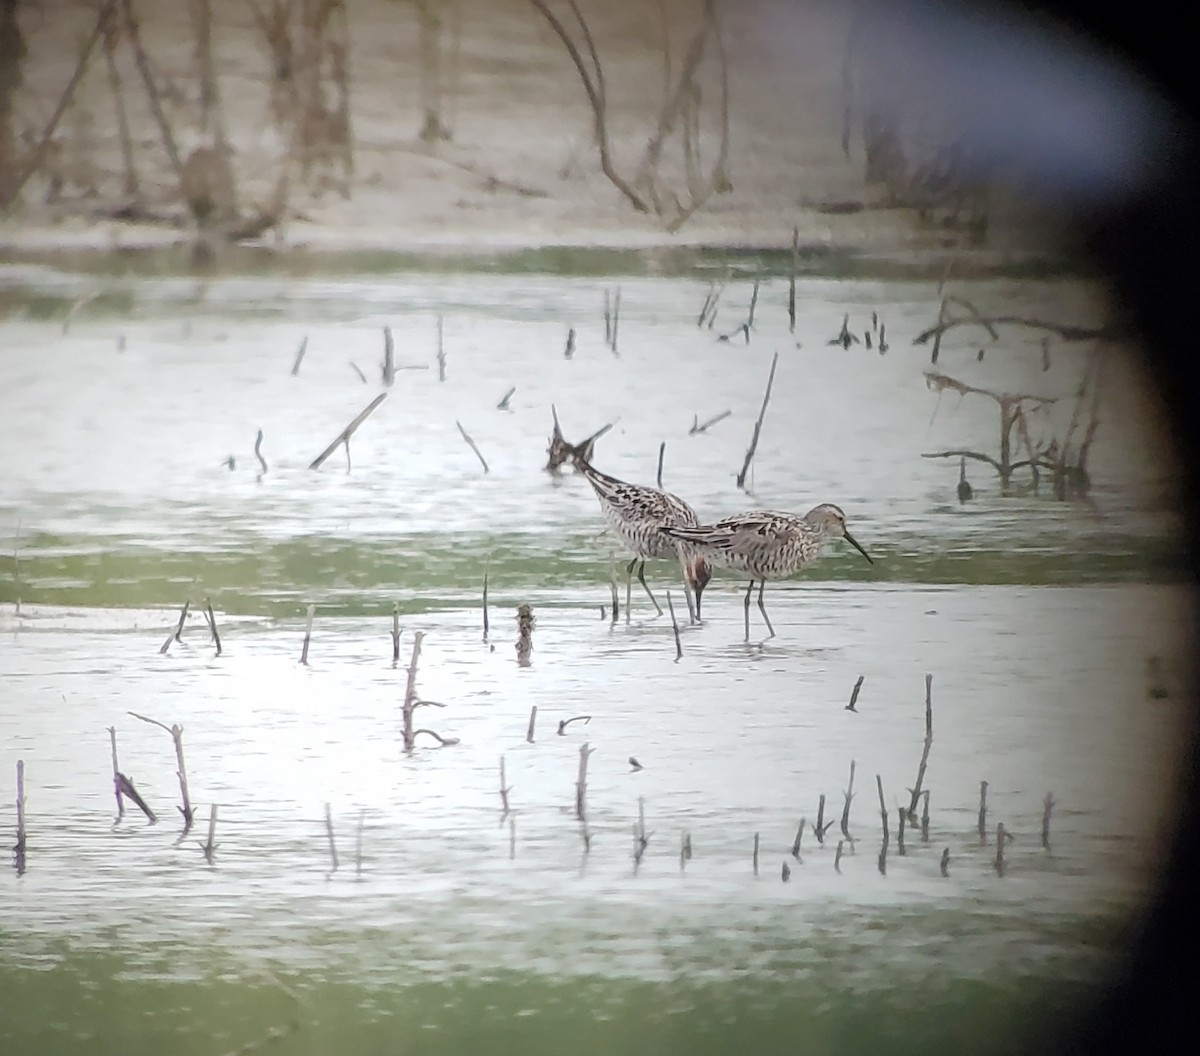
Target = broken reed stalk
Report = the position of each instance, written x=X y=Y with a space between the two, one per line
x=358 y=842
x=903 y=815
x=329 y=832
x=662 y=450
x=504 y=791
x=307 y=635
x=792 y=280
x=581 y=782
x=799 y=837
x=741 y=477
x=1047 y=807
x=820 y=828
x=112 y=736
x=209 y=846
x=344 y=436
x=389 y=357
x=176 y=732
x=675 y=628
x=19 y=849
x=753 y=305
x=472 y=445
x=848 y=795
x=485 y=607
x=854 y=694
x=177 y=634
x=983 y=787
x=258 y=452
x=916 y=789
x=532 y=723
x=755 y=857
x=300 y=356
x=212 y=624
x=641 y=838
x=883 y=814
x=396 y=632
x=441 y=352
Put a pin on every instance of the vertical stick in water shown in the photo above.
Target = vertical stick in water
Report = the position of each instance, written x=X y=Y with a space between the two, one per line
x=329 y=832
x=307 y=635
x=819 y=828
x=640 y=839
x=532 y=723
x=19 y=849
x=616 y=318
x=210 y=846
x=848 y=795
x=259 y=455
x=925 y=817
x=177 y=634
x=755 y=858
x=186 y=809
x=212 y=624
x=581 y=782
x=792 y=281
x=741 y=477
x=675 y=628
x=799 y=837
x=945 y=862
x=983 y=786
x=396 y=632
x=362 y=817
x=916 y=791
x=662 y=449
x=504 y=790
x=837 y=858
x=485 y=608
x=900 y=830
x=1001 y=836
x=685 y=849
x=607 y=317
x=389 y=357
x=512 y=837
x=854 y=694
x=441 y=352
x=112 y=736
x=1047 y=807
x=753 y=305
x=300 y=356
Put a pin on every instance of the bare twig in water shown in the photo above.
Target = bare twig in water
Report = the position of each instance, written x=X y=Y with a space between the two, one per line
x=177 y=634
x=485 y=604
x=209 y=846
x=983 y=787
x=388 y=370
x=532 y=723
x=854 y=695
x=799 y=837
x=358 y=370
x=675 y=628
x=307 y=635
x=754 y=859
x=822 y=826
x=641 y=838
x=564 y=723
x=585 y=752
x=258 y=453
x=1047 y=807
x=212 y=624
x=709 y=311
x=128 y=790
x=19 y=848
x=1002 y=835
x=176 y=732
x=837 y=858
x=512 y=837
x=505 y=789
x=344 y=436
x=848 y=795
x=741 y=477
x=569 y=349
x=300 y=356
x=441 y=350
x=445 y=742
x=883 y=847
x=698 y=426
x=685 y=849
x=792 y=280
x=503 y=404
x=472 y=446
x=112 y=736
x=945 y=861
x=916 y=789
x=333 y=855
x=1067 y=333
x=396 y=632
x=662 y=450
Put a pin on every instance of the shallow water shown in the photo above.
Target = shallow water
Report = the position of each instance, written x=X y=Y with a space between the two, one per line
x=451 y=928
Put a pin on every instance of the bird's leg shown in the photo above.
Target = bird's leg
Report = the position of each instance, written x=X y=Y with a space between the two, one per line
x=645 y=586
x=749 y=588
x=687 y=596
x=762 y=583
x=629 y=587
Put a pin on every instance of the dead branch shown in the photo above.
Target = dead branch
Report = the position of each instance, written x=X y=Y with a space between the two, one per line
x=344 y=436
x=741 y=477
x=1067 y=333
x=471 y=444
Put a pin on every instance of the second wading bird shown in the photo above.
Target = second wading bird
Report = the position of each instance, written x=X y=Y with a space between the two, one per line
x=766 y=545
x=641 y=516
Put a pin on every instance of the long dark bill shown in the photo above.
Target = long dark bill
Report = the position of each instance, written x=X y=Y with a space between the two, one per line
x=858 y=546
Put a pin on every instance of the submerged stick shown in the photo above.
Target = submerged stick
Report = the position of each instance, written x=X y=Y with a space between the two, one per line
x=532 y=723
x=300 y=356
x=854 y=694
x=396 y=632
x=883 y=814
x=983 y=787
x=581 y=782
x=112 y=736
x=916 y=789
x=344 y=436
x=675 y=628
x=471 y=444
x=258 y=452
x=177 y=634
x=848 y=795
x=307 y=635
x=212 y=624
x=903 y=815
x=209 y=846
x=741 y=477
x=329 y=833
x=1047 y=807
x=176 y=732
x=389 y=358
x=504 y=791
